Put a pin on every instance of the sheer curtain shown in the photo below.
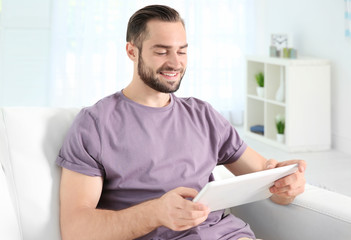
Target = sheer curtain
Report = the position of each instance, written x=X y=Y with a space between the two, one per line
x=89 y=59
x=348 y=19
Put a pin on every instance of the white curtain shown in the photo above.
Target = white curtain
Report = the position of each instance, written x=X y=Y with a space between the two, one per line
x=348 y=19
x=89 y=59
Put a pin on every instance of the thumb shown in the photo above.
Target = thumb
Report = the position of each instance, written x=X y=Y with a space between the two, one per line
x=271 y=163
x=186 y=192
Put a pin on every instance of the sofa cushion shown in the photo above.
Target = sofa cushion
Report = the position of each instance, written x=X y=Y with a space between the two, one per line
x=33 y=137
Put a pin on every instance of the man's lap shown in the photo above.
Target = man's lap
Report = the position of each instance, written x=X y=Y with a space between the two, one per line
x=245 y=238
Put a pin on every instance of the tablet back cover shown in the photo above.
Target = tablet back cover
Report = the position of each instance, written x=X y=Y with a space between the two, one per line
x=241 y=189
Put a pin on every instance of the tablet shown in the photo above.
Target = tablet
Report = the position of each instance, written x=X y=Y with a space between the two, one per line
x=241 y=189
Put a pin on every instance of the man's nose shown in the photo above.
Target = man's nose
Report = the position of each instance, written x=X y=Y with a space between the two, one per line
x=174 y=60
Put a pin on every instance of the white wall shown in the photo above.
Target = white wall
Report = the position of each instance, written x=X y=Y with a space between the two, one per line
x=24 y=51
x=318 y=29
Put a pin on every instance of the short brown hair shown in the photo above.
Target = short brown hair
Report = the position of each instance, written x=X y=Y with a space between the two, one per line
x=136 y=30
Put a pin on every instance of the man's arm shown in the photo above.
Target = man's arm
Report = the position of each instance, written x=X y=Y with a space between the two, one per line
x=79 y=196
x=285 y=189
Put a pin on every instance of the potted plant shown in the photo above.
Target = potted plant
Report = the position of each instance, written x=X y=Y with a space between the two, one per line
x=280 y=124
x=260 y=82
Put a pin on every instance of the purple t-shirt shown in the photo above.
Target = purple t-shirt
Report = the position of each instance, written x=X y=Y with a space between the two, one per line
x=143 y=152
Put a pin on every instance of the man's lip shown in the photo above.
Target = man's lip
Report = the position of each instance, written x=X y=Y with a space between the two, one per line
x=169 y=74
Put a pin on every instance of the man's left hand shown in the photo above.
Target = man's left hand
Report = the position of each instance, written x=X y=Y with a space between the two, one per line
x=287 y=188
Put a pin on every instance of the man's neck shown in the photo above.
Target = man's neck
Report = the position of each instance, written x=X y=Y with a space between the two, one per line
x=146 y=96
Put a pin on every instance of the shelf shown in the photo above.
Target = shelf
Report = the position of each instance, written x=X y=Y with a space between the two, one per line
x=274 y=102
x=302 y=60
x=282 y=104
x=289 y=91
x=255 y=97
x=269 y=141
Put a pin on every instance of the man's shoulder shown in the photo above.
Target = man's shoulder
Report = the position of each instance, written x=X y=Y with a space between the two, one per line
x=194 y=103
x=104 y=106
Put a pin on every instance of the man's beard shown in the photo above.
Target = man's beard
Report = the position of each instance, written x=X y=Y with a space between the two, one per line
x=149 y=78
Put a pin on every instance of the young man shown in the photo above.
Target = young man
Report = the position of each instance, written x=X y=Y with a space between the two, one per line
x=132 y=162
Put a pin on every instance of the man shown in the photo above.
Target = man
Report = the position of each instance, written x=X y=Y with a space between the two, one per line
x=133 y=161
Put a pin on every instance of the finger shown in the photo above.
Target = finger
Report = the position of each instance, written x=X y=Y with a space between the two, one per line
x=301 y=164
x=190 y=206
x=288 y=180
x=193 y=215
x=181 y=224
x=180 y=202
x=289 y=183
x=271 y=163
x=186 y=192
x=281 y=190
x=199 y=207
x=289 y=192
x=184 y=219
x=191 y=210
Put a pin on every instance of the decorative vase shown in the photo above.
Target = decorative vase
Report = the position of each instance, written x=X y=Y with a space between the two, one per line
x=280 y=137
x=280 y=94
x=260 y=91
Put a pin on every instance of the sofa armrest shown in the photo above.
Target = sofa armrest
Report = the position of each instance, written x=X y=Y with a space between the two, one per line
x=316 y=214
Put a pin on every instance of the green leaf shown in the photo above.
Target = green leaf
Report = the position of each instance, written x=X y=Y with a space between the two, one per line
x=260 y=79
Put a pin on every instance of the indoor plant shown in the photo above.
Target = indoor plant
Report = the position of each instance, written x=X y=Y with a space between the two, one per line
x=260 y=82
x=280 y=124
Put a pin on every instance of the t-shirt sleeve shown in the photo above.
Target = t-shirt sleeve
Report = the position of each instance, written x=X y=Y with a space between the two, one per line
x=230 y=145
x=80 y=151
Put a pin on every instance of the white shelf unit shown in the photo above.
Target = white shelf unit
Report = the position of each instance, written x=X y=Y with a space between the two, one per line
x=306 y=106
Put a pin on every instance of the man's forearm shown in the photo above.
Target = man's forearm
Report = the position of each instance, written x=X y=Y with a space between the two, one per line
x=87 y=223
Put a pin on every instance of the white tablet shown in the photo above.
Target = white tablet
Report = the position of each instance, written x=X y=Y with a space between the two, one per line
x=241 y=189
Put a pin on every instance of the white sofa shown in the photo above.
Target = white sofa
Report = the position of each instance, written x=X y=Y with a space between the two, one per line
x=30 y=139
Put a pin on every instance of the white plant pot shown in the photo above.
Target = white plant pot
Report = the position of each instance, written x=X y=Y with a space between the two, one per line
x=280 y=138
x=280 y=94
x=260 y=91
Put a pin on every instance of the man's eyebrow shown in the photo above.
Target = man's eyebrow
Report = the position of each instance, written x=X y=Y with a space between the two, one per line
x=167 y=46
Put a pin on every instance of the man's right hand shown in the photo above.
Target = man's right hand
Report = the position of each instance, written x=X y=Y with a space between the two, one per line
x=178 y=213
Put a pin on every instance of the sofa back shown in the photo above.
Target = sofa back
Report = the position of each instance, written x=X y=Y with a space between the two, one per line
x=30 y=139
x=8 y=221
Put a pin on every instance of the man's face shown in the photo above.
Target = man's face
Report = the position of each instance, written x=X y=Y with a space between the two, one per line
x=162 y=60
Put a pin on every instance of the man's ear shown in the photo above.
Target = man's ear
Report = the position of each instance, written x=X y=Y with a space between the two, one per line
x=132 y=51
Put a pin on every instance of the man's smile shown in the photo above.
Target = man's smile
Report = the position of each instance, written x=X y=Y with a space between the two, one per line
x=170 y=75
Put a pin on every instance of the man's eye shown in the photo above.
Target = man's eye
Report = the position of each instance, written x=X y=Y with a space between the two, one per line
x=181 y=53
x=160 y=53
